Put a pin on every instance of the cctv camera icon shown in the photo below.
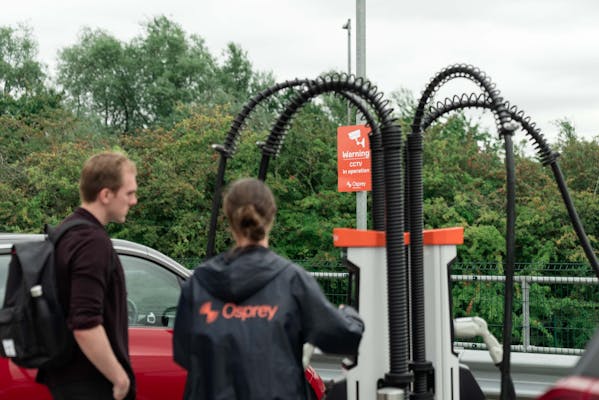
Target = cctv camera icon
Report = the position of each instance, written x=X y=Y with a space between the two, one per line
x=355 y=135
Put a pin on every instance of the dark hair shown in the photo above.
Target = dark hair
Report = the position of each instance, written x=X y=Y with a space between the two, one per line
x=250 y=207
x=103 y=170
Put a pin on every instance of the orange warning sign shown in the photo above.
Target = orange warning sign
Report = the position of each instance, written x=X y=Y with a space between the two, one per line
x=353 y=159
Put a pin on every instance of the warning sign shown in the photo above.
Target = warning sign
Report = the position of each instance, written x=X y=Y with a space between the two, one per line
x=353 y=159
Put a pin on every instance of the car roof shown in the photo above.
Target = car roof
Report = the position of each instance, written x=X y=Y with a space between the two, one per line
x=122 y=246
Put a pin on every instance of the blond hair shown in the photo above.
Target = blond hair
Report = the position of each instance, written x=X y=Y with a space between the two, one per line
x=103 y=170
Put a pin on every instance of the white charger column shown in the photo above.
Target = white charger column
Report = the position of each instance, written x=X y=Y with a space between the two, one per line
x=439 y=251
x=366 y=250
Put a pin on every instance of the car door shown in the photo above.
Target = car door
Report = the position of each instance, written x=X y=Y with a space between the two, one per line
x=152 y=295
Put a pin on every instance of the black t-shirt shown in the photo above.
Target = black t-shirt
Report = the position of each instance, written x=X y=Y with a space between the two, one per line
x=92 y=291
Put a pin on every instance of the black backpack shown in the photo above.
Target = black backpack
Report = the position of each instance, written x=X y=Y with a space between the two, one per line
x=33 y=330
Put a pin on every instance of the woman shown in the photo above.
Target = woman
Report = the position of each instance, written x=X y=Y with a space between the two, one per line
x=244 y=315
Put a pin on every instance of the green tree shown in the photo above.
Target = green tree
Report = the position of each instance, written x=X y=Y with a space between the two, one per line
x=579 y=158
x=23 y=90
x=44 y=184
x=97 y=74
x=20 y=73
x=236 y=75
x=173 y=68
x=138 y=84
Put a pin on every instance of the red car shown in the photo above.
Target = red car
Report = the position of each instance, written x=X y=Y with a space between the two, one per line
x=583 y=382
x=153 y=286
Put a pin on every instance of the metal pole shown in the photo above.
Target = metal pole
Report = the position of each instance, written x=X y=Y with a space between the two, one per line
x=361 y=197
x=525 y=315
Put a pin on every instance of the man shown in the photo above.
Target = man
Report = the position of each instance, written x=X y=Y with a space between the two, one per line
x=91 y=287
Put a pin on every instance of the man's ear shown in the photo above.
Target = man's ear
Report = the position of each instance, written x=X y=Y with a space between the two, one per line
x=104 y=195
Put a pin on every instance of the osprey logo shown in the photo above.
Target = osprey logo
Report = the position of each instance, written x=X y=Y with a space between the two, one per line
x=232 y=310
x=207 y=310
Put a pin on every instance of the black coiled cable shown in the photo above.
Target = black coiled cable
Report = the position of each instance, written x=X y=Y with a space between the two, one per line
x=496 y=104
x=392 y=144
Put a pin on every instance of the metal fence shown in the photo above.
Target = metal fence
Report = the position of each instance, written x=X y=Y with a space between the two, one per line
x=555 y=315
x=556 y=305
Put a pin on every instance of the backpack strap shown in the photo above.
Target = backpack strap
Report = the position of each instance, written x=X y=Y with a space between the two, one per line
x=32 y=256
x=54 y=234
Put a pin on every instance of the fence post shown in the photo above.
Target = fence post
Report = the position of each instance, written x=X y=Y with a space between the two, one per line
x=525 y=313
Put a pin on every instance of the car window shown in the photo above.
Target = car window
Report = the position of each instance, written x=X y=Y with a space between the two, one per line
x=4 y=260
x=152 y=292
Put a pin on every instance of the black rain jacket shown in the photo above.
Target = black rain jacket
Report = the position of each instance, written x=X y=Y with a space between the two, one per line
x=241 y=323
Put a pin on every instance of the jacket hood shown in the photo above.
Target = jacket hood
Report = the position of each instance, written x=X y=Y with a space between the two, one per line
x=238 y=274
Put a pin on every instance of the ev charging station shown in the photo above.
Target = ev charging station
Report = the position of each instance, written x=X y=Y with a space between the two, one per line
x=391 y=275
x=365 y=250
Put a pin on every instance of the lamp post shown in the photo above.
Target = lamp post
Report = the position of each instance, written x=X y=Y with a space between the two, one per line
x=361 y=197
x=347 y=26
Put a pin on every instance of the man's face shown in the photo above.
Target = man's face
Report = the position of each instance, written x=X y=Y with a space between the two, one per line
x=124 y=198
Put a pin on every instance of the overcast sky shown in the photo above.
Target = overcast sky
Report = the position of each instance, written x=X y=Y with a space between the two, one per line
x=543 y=55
